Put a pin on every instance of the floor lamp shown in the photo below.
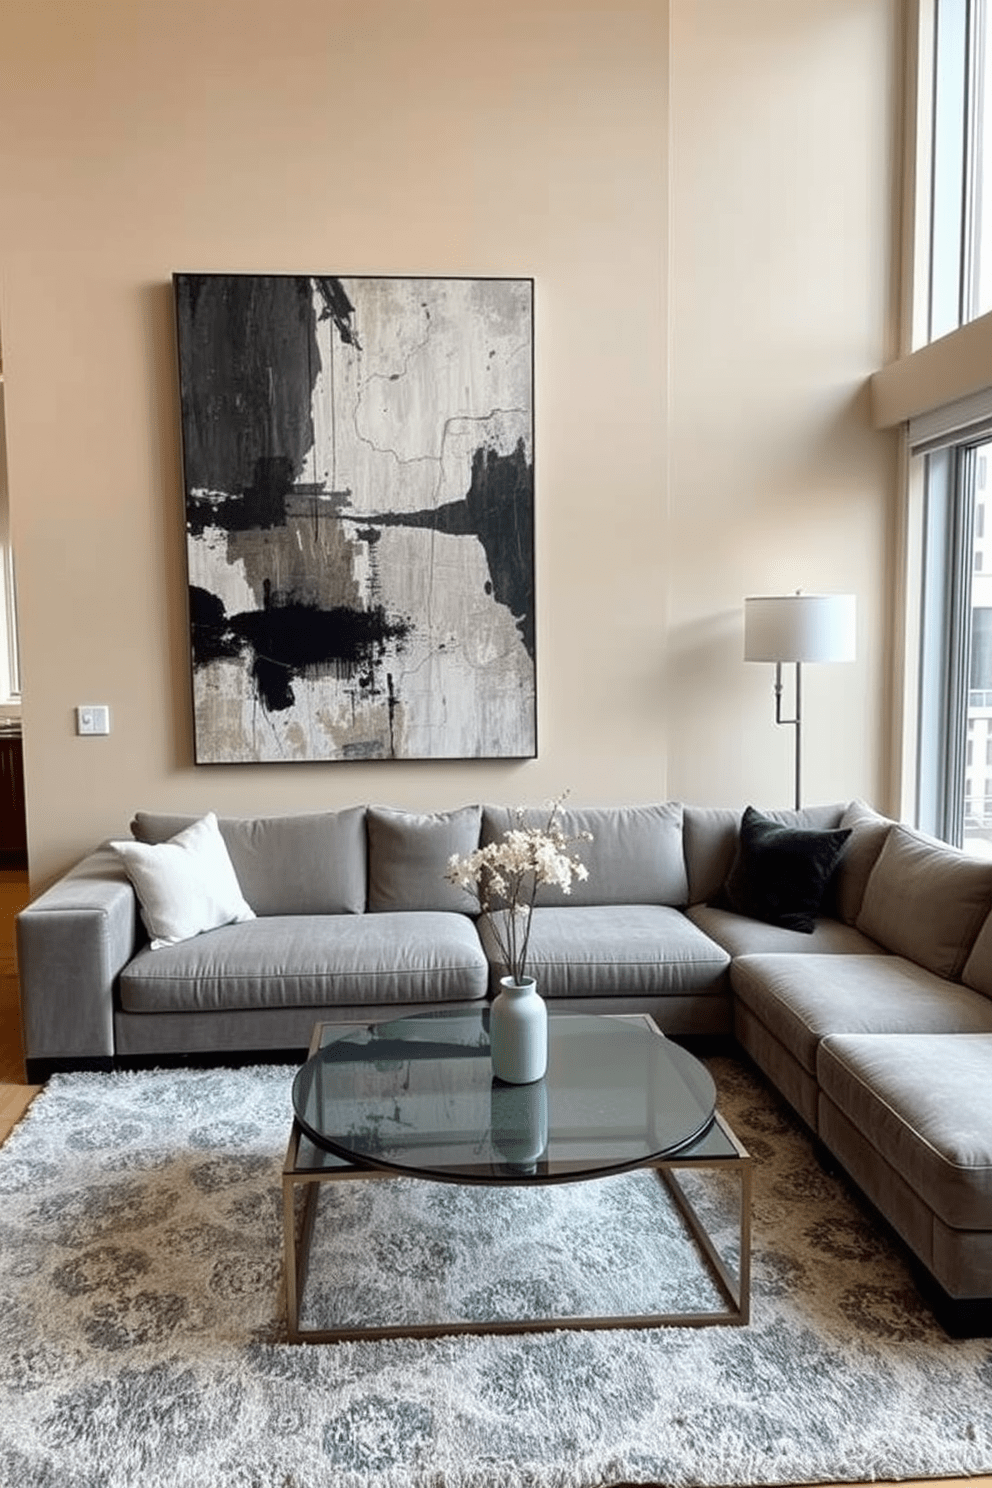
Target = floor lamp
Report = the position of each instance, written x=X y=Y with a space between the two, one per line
x=797 y=628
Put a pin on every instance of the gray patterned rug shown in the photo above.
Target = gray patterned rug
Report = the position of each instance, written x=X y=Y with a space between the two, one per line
x=141 y=1317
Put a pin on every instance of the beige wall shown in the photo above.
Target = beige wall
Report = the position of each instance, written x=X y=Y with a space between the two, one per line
x=440 y=136
x=783 y=298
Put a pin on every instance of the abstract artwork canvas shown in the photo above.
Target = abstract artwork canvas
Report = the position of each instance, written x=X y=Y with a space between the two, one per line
x=359 y=488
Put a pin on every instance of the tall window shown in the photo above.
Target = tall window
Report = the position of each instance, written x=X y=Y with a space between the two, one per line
x=960 y=187
x=954 y=795
x=954 y=745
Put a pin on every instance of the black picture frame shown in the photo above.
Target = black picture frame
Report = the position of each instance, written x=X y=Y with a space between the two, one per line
x=359 y=497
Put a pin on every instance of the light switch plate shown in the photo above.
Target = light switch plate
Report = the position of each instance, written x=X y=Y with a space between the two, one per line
x=93 y=718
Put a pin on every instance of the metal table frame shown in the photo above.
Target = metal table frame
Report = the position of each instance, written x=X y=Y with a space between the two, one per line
x=298 y=1233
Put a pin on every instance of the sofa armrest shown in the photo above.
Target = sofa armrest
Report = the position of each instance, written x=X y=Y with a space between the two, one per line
x=72 y=942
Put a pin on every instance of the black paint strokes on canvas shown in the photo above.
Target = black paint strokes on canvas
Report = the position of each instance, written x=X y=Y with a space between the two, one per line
x=288 y=640
x=257 y=507
x=249 y=350
x=248 y=362
x=498 y=509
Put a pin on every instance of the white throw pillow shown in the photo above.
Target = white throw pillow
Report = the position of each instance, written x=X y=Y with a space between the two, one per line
x=186 y=885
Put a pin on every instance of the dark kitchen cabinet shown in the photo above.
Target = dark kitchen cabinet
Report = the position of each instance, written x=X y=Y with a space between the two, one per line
x=13 y=826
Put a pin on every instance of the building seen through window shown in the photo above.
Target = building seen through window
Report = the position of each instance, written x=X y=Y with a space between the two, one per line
x=978 y=776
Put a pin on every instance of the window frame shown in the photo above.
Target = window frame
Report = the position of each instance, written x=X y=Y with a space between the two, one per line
x=932 y=394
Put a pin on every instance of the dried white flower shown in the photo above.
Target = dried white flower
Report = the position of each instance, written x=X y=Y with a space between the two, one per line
x=504 y=877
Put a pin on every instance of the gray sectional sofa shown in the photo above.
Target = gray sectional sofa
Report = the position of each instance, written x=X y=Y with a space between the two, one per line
x=876 y=1024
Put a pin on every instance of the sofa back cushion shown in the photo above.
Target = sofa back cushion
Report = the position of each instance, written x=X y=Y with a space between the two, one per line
x=408 y=855
x=926 y=901
x=635 y=855
x=977 y=972
x=868 y=833
x=711 y=835
x=287 y=865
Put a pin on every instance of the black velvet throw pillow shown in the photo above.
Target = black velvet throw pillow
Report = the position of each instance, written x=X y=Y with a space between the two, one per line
x=780 y=874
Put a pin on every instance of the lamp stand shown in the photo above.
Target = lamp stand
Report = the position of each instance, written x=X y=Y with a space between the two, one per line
x=795 y=629
x=795 y=722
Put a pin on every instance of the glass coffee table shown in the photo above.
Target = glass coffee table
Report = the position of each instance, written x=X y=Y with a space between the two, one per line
x=416 y=1098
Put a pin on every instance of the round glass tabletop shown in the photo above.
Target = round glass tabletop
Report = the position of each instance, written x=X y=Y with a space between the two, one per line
x=418 y=1096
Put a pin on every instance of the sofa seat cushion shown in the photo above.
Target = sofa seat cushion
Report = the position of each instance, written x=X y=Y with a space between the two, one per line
x=312 y=960
x=925 y=1105
x=742 y=936
x=801 y=999
x=602 y=950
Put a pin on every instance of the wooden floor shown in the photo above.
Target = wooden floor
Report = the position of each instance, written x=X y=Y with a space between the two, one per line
x=16 y=1096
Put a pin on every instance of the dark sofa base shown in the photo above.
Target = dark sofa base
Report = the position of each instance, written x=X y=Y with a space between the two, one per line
x=39 y=1070
x=960 y=1317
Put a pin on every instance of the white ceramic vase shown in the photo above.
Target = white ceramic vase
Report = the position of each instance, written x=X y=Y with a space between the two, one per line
x=518 y=1032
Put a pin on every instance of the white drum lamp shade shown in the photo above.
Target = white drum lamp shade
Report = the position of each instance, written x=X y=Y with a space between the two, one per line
x=799 y=627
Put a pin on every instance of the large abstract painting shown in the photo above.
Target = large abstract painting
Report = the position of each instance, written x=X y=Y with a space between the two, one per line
x=358 y=463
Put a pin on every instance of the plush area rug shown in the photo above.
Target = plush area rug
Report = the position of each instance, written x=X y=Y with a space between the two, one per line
x=141 y=1317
